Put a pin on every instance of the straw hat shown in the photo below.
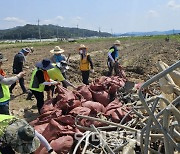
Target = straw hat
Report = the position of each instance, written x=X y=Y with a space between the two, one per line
x=21 y=136
x=117 y=42
x=82 y=46
x=57 y=50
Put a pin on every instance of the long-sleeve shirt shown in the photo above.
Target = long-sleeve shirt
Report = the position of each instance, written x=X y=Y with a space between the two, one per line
x=8 y=81
x=18 y=63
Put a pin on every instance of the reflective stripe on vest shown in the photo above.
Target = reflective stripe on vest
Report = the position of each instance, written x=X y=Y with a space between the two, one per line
x=4 y=122
x=34 y=84
x=84 y=64
x=4 y=93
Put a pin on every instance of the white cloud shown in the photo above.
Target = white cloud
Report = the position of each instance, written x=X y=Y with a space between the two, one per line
x=153 y=13
x=59 y=18
x=15 y=20
x=75 y=21
x=54 y=21
x=173 y=4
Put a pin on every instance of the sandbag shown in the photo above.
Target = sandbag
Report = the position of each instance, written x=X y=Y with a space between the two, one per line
x=40 y=128
x=94 y=106
x=79 y=111
x=64 y=94
x=66 y=120
x=85 y=92
x=48 y=106
x=62 y=145
x=117 y=114
x=55 y=130
x=101 y=97
x=46 y=117
x=113 y=105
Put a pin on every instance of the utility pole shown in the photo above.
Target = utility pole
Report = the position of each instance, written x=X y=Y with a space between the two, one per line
x=39 y=31
x=57 y=32
x=77 y=31
x=112 y=32
x=99 y=31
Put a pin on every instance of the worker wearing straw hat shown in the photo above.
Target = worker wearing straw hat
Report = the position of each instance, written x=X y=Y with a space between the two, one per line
x=58 y=57
x=85 y=63
x=113 y=56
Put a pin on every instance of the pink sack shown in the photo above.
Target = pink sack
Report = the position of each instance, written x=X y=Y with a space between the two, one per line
x=94 y=106
x=55 y=130
x=117 y=114
x=101 y=97
x=48 y=106
x=79 y=111
x=113 y=105
x=40 y=128
x=62 y=145
x=85 y=92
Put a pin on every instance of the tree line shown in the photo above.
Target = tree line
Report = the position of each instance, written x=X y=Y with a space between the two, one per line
x=47 y=32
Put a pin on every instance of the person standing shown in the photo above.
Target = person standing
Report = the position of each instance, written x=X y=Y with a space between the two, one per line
x=113 y=55
x=85 y=63
x=18 y=63
x=40 y=81
x=4 y=89
x=58 y=57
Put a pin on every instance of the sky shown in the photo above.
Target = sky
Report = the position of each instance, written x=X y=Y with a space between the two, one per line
x=113 y=16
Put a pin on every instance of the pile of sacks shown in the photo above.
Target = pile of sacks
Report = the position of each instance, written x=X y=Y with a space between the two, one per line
x=57 y=120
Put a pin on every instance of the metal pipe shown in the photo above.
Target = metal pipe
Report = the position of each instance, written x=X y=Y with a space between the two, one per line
x=146 y=84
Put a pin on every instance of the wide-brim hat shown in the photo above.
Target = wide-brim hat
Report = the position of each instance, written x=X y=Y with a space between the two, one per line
x=82 y=46
x=62 y=64
x=14 y=135
x=57 y=50
x=26 y=49
x=117 y=42
x=2 y=58
x=45 y=64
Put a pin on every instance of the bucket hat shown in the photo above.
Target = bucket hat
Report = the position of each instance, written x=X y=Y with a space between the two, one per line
x=57 y=50
x=117 y=42
x=21 y=136
x=2 y=58
x=45 y=64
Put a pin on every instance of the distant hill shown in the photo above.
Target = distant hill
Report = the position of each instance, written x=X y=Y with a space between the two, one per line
x=47 y=31
x=170 y=32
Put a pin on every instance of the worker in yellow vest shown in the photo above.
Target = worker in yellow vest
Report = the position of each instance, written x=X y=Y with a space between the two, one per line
x=40 y=81
x=85 y=64
x=16 y=135
x=4 y=89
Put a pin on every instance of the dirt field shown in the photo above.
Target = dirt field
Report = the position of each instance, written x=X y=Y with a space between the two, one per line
x=138 y=57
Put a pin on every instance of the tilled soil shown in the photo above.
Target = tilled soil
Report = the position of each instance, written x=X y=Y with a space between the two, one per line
x=138 y=57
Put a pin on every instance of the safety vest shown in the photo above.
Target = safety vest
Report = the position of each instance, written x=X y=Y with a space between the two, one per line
x=4 y=122
x=34 y=83
x=4 y=90
x=84 y=64
x=114 y=53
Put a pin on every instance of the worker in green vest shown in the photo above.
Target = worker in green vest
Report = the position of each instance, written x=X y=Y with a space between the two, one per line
x=4 y=89
x=16 y=135
x=40 y=81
